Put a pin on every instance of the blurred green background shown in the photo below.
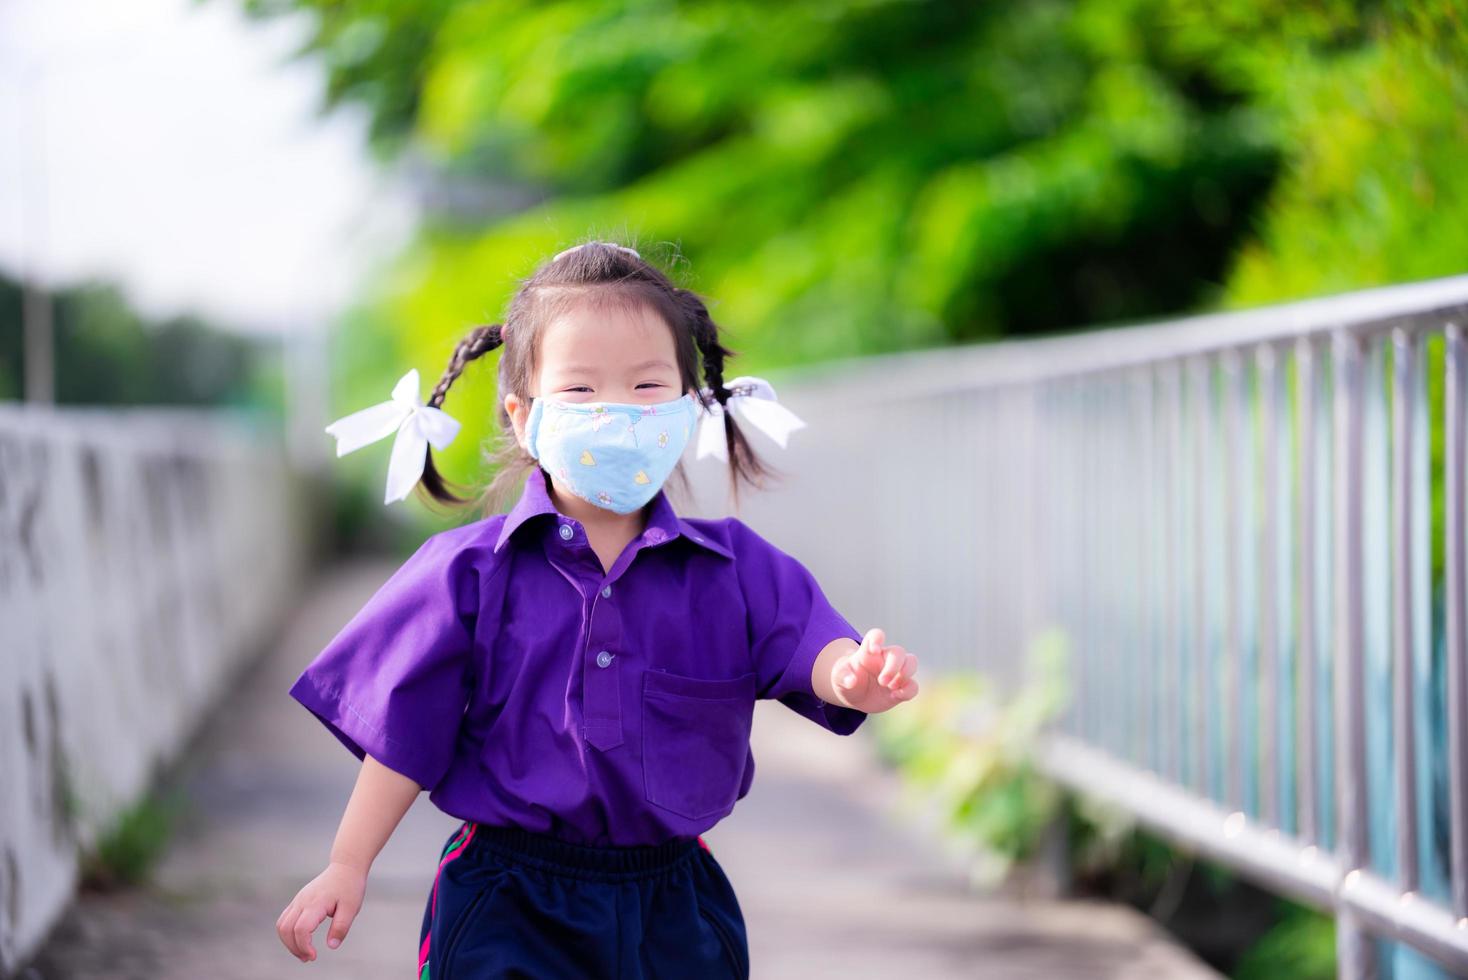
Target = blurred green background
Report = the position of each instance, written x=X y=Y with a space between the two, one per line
x=109 y=354
x=846 y=178
x=860 y=177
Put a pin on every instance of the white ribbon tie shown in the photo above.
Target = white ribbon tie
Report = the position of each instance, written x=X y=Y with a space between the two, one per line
x=416 y=425
x=752 y=401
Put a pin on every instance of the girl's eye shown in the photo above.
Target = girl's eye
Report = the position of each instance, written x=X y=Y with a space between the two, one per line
x=651 y=384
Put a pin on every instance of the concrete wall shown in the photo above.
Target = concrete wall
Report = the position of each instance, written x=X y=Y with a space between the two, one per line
x=144 y=555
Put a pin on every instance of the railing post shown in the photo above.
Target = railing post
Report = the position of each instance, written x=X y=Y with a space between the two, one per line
x=1200 y=392
x=1174 y=584
x=1268 y=589
x=1233 y=727
x=1145 y=524
x=1404 y=395
x=1353 y=947
x=1456 y=404
x=1307 y=387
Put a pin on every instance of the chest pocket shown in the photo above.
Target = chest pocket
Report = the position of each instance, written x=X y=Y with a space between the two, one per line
x=695 y=740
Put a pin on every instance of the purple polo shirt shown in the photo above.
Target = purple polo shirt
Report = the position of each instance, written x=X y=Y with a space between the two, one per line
x=503 y=670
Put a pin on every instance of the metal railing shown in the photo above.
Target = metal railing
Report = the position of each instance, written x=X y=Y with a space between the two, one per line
x=1251 y=527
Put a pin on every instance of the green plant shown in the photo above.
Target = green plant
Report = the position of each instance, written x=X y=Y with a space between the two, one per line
x=967 y=746
x=127 y=851
x=1301 y=946
x=1102 y=838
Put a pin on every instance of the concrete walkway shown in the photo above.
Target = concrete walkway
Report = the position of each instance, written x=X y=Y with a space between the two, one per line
x=831 y=881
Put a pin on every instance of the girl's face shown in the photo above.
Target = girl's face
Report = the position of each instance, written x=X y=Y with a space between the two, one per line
x=618 y=355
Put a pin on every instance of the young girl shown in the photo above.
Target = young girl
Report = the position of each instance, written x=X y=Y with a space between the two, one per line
x=575 y=679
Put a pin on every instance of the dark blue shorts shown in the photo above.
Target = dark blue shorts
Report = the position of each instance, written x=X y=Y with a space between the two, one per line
x=508 y=903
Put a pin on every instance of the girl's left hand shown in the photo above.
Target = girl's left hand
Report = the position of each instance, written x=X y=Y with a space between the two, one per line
x=874 y=677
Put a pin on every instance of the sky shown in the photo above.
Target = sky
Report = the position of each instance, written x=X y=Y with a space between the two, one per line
x=174 y=147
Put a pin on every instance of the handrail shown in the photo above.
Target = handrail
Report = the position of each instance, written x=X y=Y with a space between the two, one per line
x=1413 y=306
x=1232 y=518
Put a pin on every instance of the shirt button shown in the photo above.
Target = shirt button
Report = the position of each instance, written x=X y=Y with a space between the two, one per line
x=606 y=593
x=566 y=532
x=603 y=659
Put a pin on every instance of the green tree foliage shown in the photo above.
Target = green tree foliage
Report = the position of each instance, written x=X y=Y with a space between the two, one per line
x=1370 y=106
x=866 y=176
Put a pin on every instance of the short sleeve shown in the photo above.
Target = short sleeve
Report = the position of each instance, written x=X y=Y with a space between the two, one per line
x=790 y=622
x=393 y=683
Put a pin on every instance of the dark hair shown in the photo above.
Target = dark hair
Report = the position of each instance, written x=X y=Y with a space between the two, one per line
x=604 y=276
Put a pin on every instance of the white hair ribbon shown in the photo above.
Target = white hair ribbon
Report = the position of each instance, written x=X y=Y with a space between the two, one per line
x=416 y=425
x=752 y=401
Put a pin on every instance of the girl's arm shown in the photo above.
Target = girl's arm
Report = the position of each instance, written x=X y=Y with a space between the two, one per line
x=376 y=806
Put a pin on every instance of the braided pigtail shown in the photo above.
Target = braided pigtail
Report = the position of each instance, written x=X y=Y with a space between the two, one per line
x=744 y=462
x=479 y=341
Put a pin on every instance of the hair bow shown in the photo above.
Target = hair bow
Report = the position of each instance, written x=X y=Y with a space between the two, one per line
x=416 y=425
x=752 y=401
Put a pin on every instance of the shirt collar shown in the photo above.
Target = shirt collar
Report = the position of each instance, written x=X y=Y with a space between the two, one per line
x=663 y=523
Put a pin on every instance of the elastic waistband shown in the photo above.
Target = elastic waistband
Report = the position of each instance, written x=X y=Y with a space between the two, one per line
x=581 y=860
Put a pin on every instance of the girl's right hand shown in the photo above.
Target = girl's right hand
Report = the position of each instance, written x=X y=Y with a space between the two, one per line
x=336 y=892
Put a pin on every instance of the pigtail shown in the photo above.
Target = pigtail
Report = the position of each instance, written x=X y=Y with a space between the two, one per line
x=479 y=341
x=744 y=462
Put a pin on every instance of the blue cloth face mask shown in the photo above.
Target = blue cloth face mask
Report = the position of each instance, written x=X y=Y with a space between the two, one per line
x=611 y=454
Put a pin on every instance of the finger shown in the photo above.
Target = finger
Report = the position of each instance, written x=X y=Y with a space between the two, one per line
x=854 y=670
x=305 y=925
x=285 y=923
x=871 y=643
x=906 y=665
x=300 y=940
x=907 y=691
x=884 y=673
x=341 y=921
x=288 y=934
x=891 y=665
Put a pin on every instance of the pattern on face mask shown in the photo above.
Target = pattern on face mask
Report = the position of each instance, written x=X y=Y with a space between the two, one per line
x=612 y=454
